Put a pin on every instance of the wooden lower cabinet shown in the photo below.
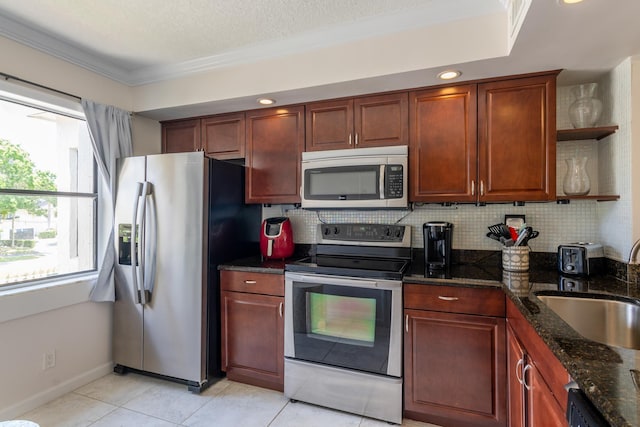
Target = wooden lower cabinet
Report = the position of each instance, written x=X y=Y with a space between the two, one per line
x=253 y=328
x=454 y=363
x=536 y=394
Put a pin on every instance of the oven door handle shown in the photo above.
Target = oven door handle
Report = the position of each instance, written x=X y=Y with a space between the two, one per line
x=343 y=281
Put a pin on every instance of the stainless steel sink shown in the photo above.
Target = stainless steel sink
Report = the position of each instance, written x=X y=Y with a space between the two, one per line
x=607 y=321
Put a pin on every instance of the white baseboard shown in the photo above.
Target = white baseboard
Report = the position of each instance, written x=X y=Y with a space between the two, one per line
x=52 y=393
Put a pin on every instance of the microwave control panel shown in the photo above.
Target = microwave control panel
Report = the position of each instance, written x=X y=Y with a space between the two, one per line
x=393 y=181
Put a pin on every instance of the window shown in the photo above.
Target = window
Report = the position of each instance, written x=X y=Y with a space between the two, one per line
x=47 y=191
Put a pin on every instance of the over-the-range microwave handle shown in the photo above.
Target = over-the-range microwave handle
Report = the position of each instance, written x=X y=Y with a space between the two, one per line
x=342 y=281
x=383 y=168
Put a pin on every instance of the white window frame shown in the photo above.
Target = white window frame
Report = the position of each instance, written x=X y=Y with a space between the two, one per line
x=65 y=289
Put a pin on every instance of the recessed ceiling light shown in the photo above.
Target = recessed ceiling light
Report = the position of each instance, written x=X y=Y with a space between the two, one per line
x=449 y=74
x=266 y=101
x=569 y=1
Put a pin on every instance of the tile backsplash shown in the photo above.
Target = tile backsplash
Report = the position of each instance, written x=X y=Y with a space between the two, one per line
x=557 y=224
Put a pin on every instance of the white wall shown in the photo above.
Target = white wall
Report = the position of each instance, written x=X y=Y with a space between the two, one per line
x=635 y=148
x=80 y=335
x=615 y=219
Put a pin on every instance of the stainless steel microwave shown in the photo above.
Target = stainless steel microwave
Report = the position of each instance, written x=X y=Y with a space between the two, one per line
x=355 y=178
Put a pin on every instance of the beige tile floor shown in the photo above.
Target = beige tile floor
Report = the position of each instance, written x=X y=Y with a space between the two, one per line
x=139 y=401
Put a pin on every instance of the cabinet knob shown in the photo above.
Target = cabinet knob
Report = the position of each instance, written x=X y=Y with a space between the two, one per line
x=349 y=139
x=356 y=138
x=250 y=282
x=280 y=308
x=406 y=323
x=444 y=298
x=473 y=187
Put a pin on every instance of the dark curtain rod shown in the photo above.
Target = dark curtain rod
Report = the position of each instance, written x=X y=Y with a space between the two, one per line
x=18 y=79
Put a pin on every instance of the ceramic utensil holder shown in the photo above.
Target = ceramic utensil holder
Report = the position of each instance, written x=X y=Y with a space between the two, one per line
x=515 y=258
x=517 y=282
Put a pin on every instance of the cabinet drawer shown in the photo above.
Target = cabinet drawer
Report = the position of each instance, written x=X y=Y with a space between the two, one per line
x=454 y=299
x=255 y=283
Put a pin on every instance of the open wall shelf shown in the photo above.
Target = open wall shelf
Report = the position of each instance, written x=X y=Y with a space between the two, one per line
x=596 y=133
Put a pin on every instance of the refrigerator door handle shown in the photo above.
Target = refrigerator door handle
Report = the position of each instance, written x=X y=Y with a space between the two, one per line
x=134 y=243
x=143 y=295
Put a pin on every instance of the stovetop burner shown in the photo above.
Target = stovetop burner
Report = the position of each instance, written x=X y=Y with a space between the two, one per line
x=359 y=250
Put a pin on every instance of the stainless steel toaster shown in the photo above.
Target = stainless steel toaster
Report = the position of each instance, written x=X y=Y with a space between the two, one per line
x=580 y=259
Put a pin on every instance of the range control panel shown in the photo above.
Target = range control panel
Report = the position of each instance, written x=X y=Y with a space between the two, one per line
x=365 y=234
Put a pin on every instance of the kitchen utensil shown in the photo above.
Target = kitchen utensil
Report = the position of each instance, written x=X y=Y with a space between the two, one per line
x=532 y=235
x=513 y=232
x=493 y=236
x=500 y=230
x=505 y=241
x=522 y=236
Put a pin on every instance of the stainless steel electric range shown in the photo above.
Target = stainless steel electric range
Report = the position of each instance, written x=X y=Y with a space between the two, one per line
x=343 y=320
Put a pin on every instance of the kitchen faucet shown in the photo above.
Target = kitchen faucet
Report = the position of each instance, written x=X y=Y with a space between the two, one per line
x=634 y=253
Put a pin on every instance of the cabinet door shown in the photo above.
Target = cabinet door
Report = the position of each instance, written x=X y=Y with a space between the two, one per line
x=443 y=145
x=517 y=139
x=543 y=409
x=223 y=136
x=275 y=138
x=381 y=120
x=515 y=365
x=329 y=125
x=455 y=369
x=253 y=339
x=181 y=136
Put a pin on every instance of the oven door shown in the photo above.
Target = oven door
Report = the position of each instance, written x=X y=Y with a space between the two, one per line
x=344 y=322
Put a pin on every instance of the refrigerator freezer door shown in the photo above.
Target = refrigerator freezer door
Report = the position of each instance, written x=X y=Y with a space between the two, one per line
x=174 y=319
x=127 y=314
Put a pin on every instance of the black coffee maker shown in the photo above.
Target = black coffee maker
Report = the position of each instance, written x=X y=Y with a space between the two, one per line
x=437 y=248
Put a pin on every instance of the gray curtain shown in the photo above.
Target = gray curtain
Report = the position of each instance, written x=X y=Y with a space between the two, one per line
x=110 y=130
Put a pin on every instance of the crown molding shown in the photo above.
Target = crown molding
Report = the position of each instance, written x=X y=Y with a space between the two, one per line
x=433 y=13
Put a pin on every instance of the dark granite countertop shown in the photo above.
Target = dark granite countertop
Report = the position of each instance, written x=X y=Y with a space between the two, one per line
x=255 y=264
x=604 y=373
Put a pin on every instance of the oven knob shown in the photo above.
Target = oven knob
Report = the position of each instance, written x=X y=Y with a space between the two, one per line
x=326 y=231
x=336 y=230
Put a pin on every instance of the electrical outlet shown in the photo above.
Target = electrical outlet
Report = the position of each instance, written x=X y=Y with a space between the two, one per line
x=48 y=359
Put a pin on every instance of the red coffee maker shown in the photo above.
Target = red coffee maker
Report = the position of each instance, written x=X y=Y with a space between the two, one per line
x=276 y=238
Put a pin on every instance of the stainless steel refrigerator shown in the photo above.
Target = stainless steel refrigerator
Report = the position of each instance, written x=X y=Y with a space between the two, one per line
x=189 y=215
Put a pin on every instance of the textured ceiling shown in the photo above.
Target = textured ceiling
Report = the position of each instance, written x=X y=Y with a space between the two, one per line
x=350 y=47
x=126 y=36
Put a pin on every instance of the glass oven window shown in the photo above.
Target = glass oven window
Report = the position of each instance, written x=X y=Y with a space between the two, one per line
x=343 y=326
x=342 y=319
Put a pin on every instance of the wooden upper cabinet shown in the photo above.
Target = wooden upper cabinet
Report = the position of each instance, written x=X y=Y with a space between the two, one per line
x=371 y=121
x=223 y=136
x=274 y=140
x=181 y=136
x=443 y=144
x=329 y=125
x=517 y=139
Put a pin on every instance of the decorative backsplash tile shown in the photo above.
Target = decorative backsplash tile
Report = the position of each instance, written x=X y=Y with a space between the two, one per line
x=557 y=224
